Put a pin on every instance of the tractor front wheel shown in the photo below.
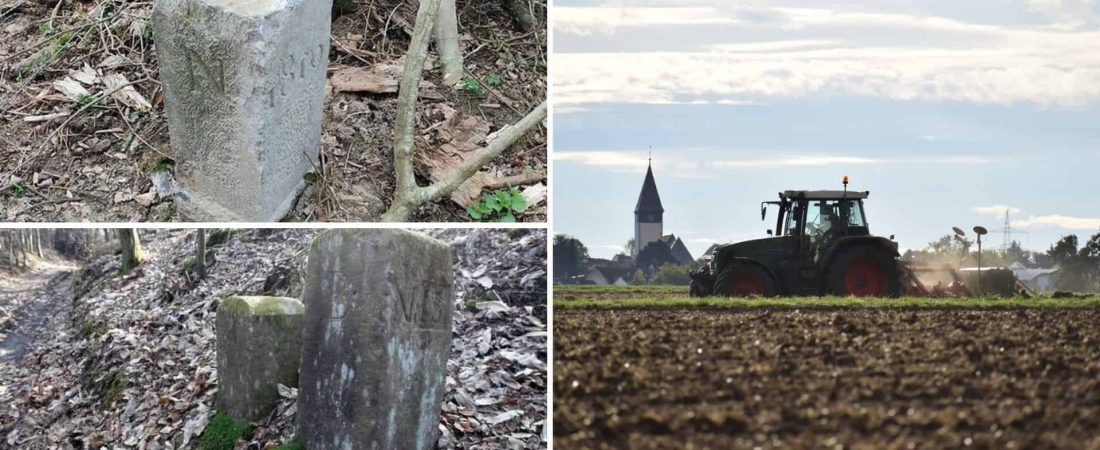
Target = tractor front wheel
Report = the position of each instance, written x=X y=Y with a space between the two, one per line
x=698 y=289
x=742 y=280
x=864 y=271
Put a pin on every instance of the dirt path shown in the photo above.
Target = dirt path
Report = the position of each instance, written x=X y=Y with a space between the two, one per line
x=32 y=297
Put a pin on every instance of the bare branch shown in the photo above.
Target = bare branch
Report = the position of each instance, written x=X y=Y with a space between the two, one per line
x=404 y=141
x=403 y=205
x=504 y=139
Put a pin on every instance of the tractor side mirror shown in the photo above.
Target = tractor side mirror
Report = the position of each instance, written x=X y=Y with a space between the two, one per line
x=891 y=237
x=769 y=232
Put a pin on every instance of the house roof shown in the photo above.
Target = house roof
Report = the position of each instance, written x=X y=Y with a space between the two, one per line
x=649 y=201
x=611 y=273
x=678 y=249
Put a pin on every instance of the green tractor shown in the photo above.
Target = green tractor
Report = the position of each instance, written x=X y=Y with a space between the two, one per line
x=821 y=246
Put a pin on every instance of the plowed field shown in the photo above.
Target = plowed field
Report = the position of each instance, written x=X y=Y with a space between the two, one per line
x=838 y=378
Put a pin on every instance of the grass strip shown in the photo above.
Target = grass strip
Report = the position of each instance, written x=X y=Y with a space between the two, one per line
x=683 y=301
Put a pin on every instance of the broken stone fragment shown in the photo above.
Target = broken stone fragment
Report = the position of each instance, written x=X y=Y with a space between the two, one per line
x=259 y=342
x=377 y=336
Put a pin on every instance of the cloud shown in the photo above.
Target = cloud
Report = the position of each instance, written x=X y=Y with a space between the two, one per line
x=1060 y=221
x=795 y=161
x=996 y=210
x=798 y=52
x=614 y=159
x=691 y=162
x=1069 y=14
x=587 y=21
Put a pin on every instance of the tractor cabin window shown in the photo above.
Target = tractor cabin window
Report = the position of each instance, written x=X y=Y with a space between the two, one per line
x=831 y=217
x=791 y=227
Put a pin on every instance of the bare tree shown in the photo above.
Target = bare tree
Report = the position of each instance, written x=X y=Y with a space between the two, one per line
x=200 y=253
x=407 y=194
x=22 y=238
x=9 y=244
x=446 y=43
x=131 y=248
x=38 y=241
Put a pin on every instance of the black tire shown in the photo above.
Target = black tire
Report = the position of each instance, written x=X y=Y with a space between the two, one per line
x=863 y=270
x=743 y=279
x=698 y=289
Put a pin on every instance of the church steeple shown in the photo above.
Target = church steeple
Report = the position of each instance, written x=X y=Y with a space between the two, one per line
x=648 y=212
x=649 y=201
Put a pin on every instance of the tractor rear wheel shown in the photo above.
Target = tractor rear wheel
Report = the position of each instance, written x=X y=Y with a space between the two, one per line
x=740 y=279
x=863 y=271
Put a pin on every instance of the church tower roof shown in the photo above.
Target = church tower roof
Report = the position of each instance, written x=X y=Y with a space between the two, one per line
x=649 y=201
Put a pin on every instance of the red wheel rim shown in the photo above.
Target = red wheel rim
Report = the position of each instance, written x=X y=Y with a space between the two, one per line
x=865 y=278
x=744 y=285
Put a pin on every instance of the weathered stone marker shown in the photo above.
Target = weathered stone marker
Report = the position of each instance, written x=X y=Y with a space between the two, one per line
x=376 y=340
x=244 y=89
x=259 y=344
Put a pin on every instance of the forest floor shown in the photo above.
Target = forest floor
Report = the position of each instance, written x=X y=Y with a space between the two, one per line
x=129 y=359
x=69 y=154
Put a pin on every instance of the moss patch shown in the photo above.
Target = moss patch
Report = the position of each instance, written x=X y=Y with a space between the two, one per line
x=223 y=432
x=218 y=237
x=290 y=446
x=262 y=306
x=114 y=383
x=92 y=329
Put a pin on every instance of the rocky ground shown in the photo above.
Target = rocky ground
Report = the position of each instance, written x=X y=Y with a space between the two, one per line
x=106 y=163
x=838 y=379
x=128 y=361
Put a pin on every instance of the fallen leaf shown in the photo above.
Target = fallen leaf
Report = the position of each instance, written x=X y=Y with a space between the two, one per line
x=127 y=95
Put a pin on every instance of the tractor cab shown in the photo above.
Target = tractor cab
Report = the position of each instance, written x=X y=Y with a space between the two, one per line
x=821 y=244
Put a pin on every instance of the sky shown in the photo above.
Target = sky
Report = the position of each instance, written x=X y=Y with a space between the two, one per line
x=949 y=113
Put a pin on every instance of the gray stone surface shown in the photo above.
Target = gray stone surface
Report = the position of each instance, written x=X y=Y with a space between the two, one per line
x=259 y=344
x=376 y=340
x=244 y=90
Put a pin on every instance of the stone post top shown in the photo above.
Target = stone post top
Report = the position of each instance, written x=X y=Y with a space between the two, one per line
x=243 y=305
x=251 y=7
x=339 y=236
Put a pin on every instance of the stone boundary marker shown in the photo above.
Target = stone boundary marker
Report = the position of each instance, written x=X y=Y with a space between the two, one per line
x=244 y=91
x=259 y=343
x=376 y=340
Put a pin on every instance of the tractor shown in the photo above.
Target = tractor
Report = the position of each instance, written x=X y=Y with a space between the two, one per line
x=821 y=246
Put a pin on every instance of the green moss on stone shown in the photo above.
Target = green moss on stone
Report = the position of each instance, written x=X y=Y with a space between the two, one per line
x=262 y=306
x=222 y=432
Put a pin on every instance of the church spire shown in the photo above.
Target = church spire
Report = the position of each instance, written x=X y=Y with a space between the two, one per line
x=649 y=201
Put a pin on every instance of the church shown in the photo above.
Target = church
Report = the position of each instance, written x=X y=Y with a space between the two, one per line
x=648 y=228
x=649 y=222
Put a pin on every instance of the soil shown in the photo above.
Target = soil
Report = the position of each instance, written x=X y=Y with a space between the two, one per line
x=97 y=165
x=850 y=378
